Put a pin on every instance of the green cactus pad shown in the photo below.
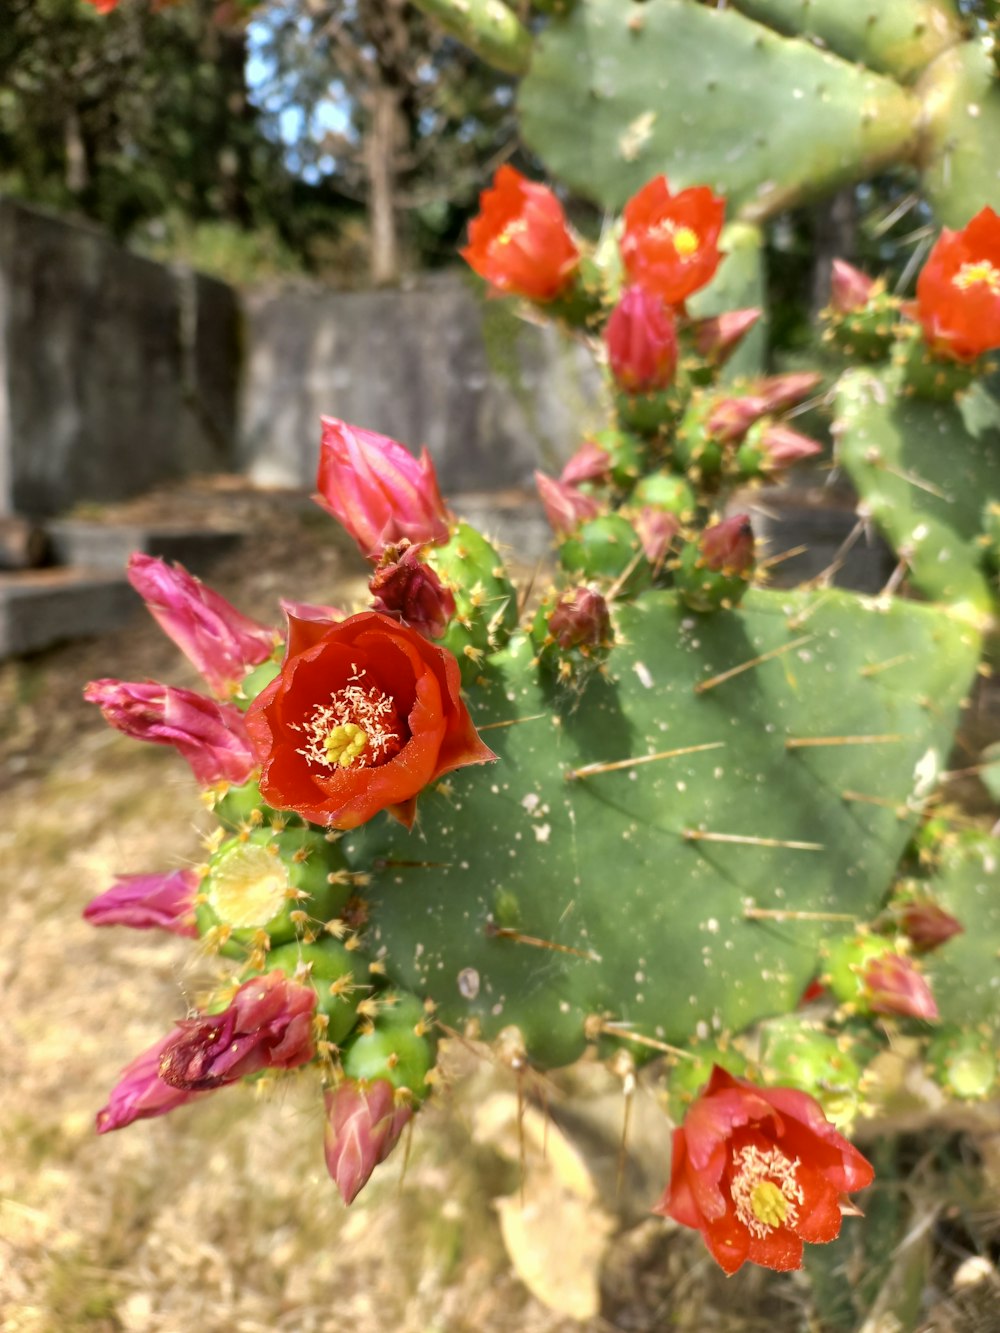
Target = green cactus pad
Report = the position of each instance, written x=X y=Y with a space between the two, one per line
x=525 y=898
x=924 y=471
x=485 y=598
x=961 y=96
x=487 y=27
x=964 y=973
x=621 y=91
x=897 y=36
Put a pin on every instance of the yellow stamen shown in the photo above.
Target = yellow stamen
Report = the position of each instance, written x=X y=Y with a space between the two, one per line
x=768 y=1203
x=972 y=275
x=686 y=242
x=344 y=743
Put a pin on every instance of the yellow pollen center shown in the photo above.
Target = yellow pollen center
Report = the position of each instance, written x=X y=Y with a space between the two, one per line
x=512 y=230
x=344 y=743
x=768 y=1203
x=981 y=274
x=685 y=242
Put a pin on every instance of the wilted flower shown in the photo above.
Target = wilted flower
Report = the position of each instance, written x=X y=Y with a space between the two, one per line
x=759 y=1171
x=377 y=490
x=565 y=507
x=641 y=338
x=671 y=241
x=409 y=590
x=363 y=1125
x=520 y=241
x=268 y=1025
x=363 y=716
x=148 y=902
x=219 y=640
x=958 y=290
x=141 y=1093
x=211 y=736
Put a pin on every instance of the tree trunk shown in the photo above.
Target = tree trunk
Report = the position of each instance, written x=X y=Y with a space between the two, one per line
x=381 y=153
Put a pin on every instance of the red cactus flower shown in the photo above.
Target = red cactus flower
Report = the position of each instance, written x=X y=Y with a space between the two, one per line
x=671 y=241
x=850 y=289
x=958 y=291
x=520 y=241
x=216 y=638
x=718 y=337
x=363 y=716
x=641 y=338
x=408 y=590
x=104 y=6
x=927 y=926
x=377 y=490
x=140 y=1093
x=148 y=902
x=267 y=1026
x=759 y=1171
x=363 y=1125
x=211 y=736
x=565 y=507
x=892 y=985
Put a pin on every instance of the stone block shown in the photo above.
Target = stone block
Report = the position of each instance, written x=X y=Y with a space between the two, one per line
x=107 y=546
x=43 y=607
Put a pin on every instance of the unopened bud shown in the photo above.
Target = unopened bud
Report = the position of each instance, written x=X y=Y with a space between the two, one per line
x=716 y=339
x=580 y=619
x=728 y=547
x=850 y=289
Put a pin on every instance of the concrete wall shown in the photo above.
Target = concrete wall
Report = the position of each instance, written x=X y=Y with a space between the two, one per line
x=115 y=373
x=434 y=363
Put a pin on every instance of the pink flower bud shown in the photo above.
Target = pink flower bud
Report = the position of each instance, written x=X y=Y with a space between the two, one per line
x=221 y=642
x=363 y=1125
x=641 y=337
x=926 y=925
x=850 y=289
x=211 y=736
x=267 y=1026
x=580 y=619
x=783 y=447
x=565 y=507
x=140 y=1093
x=589 y=463
x=657 y=529
x=894 y=986
x=377 y=490
x=780 y=392
x=148 y=902
x=728 y=546
x=408 y=590
x=716 y=339
x=730 y=419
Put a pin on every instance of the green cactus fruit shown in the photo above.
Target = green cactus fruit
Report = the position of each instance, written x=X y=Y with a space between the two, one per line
x=255 y=681
x=964 y=1062
x=866 y=334
x=338 y=975
x=924 y=471
x=607 y=548
x=714 y=572
x=283 y=884
x=845 y=964
x=688 y=1076
x=802 y=1054
x=897 y=37
x=961 y=99
x=400 y=1046
x=937 y=379
x=241 y=808
x=627 y=454
x=697 y=449
x=485 y=598
x=572 y=633
x=604 y=871
x=666 y=491
x=621 y=90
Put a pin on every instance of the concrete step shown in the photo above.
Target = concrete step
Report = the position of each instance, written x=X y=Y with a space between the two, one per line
x=43 y=607
x=91 y=544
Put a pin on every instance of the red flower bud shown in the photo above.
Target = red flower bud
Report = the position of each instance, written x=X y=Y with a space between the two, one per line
x=363 y=1125
x=758 y=1171
x=520 y=241
x=377 y=490
x=641 y=338
x=781 y=447
x=728 y=547
x=779 y=392
x=408 y=590
x=926 y=925
x=267 y=1026
x=893 y=985
x=146 y=902
x=671 y=241
x=717 y=338
x=580 y=619
x=958 y=291
x=589 y=463
x=211 y=736
x=657 y=529
x=729 y=420
x=565 y=507
x=220 y=641
x=850 y=289
x=364 y=715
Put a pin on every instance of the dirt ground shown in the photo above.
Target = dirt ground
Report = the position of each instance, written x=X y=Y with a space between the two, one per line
x=220 y=1217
